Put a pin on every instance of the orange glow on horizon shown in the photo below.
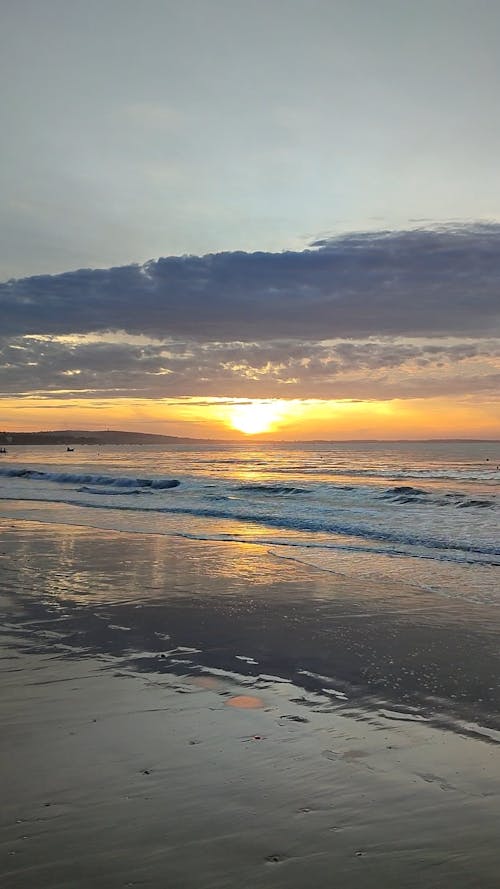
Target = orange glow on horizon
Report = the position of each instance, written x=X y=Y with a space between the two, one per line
x=264 y=419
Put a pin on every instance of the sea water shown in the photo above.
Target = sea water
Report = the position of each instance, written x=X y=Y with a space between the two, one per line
x=426 y=513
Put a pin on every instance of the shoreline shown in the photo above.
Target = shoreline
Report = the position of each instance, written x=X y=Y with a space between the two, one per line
x=191 y=714
x=386 y=641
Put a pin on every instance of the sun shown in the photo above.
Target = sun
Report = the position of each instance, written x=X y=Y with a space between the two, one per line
x=256 y=416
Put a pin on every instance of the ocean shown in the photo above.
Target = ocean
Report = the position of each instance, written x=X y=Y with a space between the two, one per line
x=426 y=513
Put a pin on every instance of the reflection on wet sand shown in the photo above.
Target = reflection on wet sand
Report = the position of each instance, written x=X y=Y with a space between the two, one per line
x=163 y=605
x=138 y=669
x=245 y=702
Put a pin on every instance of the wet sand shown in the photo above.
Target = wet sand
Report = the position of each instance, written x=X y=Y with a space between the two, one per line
x=178 y=714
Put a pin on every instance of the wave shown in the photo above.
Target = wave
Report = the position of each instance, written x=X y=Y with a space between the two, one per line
x=408 y=494
x=471 y=474
x=368 y=543
x=316 y=525
x=399 y=490
x=69 y=478
x=271 y=489
x=479 y=504
x=440 y=548
x=86 y=489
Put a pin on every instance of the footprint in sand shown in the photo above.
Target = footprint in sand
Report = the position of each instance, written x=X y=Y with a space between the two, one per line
x=435 y=779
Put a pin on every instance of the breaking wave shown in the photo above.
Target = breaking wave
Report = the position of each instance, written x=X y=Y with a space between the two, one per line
x=69 y=478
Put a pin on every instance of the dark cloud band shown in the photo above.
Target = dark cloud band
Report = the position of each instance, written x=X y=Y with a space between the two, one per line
x=417 y=283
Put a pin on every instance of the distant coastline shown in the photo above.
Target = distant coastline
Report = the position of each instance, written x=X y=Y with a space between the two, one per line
x=118 y=437
x=86 y=437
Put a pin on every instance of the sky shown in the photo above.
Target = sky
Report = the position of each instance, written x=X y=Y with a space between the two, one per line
x=279 y=218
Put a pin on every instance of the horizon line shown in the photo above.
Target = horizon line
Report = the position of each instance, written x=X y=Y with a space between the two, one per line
x=245 y=439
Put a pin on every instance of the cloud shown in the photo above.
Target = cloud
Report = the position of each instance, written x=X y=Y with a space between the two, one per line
x=442 y=282
x=363 y=316
x=356 y=369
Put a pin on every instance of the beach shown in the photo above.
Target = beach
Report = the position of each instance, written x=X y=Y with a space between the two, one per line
x=250 y=445
x=191 y=714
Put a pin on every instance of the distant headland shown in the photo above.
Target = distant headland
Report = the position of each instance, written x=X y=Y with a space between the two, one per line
x=86 y=437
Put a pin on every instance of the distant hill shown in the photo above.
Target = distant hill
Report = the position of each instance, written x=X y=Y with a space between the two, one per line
x=84 y=437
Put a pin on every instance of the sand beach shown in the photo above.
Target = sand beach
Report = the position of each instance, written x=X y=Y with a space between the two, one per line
x=199 y=715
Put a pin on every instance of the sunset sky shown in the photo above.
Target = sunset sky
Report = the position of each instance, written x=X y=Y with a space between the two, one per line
x=279 y=218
